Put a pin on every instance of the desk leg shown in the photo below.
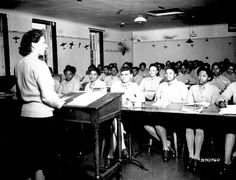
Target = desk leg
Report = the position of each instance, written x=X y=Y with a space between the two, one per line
x=96 y=155
x=119 y=137
x=131 y=159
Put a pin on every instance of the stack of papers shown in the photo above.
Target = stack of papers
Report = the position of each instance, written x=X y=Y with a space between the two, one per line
x=192 y=109
x=86 y=98
x=195 y=107
x=230 y=109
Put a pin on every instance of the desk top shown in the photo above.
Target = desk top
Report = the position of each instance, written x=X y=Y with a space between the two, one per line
x=177 y=108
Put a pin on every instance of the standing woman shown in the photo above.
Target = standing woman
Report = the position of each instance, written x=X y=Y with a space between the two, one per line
x=35 y=89
x=202 y=92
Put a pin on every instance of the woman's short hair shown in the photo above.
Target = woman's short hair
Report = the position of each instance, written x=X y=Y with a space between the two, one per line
x=70 y=68
x=95 y=69
x=172 y=66
x=207 y=70
x=126 y=69
x=32 y=36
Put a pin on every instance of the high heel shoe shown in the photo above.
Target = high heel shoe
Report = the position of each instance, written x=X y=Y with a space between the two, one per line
x=166 y=155
x=189 y=164
x=225 y=169
x=196 y=165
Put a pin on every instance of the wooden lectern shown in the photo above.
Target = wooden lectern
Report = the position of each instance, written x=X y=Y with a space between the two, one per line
x=106 y=108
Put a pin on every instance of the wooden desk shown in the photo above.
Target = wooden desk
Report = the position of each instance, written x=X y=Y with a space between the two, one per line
x=208 y=119
x=104 y=109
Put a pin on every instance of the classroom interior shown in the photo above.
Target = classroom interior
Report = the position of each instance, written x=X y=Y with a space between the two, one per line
x=112 y=36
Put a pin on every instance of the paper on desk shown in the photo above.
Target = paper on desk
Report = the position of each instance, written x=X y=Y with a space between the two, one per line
x=230 y=109
x=199 y=104
x=192 y=109
x=86 y=98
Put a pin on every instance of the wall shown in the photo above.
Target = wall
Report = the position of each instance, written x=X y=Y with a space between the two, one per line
x=212 y=43
x=67 y=32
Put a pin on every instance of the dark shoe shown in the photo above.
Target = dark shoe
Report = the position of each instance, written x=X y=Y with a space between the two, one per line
x=189 y=164
x=124 y=154
x=196 y=165
x=225 y=169
x=166 y=156
x=107 y=163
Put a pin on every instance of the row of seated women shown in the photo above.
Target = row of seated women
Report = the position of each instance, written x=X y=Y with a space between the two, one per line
x=166 y=89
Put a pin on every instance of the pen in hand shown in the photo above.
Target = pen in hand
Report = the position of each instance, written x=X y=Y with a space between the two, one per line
x=222 y=104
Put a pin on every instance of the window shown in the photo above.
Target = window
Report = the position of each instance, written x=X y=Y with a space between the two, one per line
x=50 y=56
x=4 y=47
x=96 y=47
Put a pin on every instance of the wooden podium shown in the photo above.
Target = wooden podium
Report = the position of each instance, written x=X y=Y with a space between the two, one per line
x=106 y=108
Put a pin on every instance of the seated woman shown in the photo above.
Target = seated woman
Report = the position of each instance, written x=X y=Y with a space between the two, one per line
x=95 y=84
x=70 y=83
x=170 y=91
x=202 y=92
x=150 y=84
x=222 y=101
x=110 y=79
x=218 y=79
x=230 y=72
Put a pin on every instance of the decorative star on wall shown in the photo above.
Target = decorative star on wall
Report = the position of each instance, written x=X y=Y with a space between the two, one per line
x=63 y=45
x=16 y=38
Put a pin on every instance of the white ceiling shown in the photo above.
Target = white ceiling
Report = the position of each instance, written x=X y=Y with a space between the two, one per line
x=111 y=13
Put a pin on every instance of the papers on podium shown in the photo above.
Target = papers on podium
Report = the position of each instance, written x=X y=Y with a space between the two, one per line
x=86 y=98
x=230 y=109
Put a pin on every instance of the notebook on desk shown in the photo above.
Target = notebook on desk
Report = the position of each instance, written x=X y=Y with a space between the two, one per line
x=230 y=109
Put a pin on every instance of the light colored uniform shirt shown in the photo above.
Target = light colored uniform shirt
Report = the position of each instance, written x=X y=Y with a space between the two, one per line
x=132 y=96
x=137 y=79
x=109 y=80
x=69 y=86
x=144 y=73
x=171 y=92
x=203 y=93
x=149 y=86
x=36 y=87
x=231 y=77
x=228 y=93
x=221 y=82
x=186 y=78
x=98 y=85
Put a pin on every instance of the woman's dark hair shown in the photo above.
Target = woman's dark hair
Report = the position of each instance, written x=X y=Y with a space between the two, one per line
x=95 y=69
x=32 y=36
x=70 y=68
x=172 y=66
x=207 y=70
x=154 y=65
x=126 y=69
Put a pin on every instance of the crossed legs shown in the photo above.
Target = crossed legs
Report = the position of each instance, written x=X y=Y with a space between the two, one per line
x=113 y=140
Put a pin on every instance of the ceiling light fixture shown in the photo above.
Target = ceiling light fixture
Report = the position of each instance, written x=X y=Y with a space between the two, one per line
x=165 y=12
x=140 y=19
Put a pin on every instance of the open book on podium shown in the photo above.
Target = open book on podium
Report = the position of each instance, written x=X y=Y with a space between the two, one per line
x=90 y=107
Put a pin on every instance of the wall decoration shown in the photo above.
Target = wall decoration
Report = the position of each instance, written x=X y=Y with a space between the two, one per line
x=71 y=45
x=63 y=45
x=16 y=38
x=86 y=46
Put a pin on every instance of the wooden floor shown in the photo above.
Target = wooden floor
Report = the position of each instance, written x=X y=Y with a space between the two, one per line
x=157 y=169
